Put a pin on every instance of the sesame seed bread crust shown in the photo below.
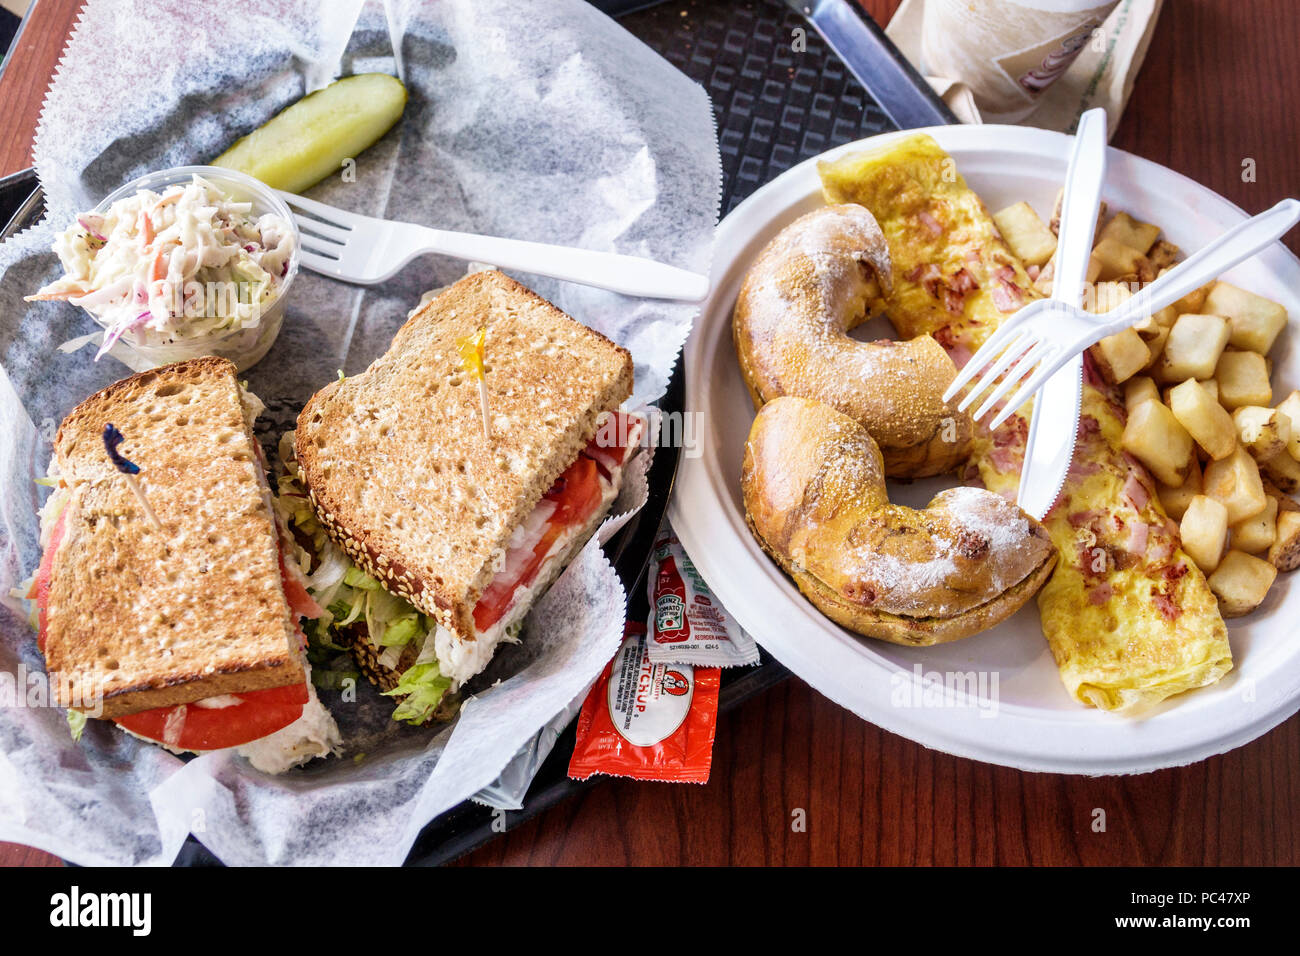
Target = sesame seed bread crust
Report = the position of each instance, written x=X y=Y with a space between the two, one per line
x=394 y=459
x=154 y=620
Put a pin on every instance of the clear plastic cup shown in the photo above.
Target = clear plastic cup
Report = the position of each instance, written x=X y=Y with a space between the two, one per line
x=244 y=346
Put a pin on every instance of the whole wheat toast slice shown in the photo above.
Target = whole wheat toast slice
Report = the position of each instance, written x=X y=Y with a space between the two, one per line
x=395 y=461
x=141 y=619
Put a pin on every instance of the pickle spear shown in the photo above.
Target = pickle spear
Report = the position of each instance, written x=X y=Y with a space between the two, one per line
x=305 y=142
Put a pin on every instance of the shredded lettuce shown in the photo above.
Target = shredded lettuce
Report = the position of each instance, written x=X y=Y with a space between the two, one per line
x=49 y=516
x=350 y=607
x=401 y=631
x=349 y=597
x=356 y=578
x=423 y=688
x=76 y=723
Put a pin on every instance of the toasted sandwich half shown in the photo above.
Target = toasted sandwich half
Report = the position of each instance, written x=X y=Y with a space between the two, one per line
x=186 y=632
x=452 y=534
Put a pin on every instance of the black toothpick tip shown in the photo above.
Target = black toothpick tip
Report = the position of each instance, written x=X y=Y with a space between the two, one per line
x=113 y=438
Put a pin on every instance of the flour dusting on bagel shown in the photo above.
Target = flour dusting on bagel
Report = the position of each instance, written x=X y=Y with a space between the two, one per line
x=811 y=285
x=813 y=482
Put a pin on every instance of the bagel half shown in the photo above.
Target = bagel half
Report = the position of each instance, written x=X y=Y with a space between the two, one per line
x=809 y=287
x=815 y=498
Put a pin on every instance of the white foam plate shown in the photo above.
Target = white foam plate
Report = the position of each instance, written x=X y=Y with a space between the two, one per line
x=996 y=696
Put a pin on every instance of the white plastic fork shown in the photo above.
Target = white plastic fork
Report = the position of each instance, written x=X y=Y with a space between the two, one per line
x=365 y=250
x=1053 y=428
x=1047 y=333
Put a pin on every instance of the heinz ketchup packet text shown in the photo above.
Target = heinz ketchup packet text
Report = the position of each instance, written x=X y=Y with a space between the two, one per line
x=647 y=721
x=688 y=625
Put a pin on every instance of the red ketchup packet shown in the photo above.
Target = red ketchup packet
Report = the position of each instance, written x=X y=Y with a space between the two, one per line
x=647 y=721
x=688 y=624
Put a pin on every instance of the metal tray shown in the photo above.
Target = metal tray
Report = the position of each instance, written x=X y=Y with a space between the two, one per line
x=775 y=107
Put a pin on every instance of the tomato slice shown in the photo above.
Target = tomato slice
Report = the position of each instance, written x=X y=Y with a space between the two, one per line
x=41 y=586
x=609 y=446
x=300 y=602
x=258 y=713
x=576 y=495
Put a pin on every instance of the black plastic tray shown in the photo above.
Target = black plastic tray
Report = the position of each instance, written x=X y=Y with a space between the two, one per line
x=775 y=107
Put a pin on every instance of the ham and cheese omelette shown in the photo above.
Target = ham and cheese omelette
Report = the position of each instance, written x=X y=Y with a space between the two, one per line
x=1129 y=617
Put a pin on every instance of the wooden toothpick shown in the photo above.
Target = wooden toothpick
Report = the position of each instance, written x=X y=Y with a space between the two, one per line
x=471 y=360
x=129 y=470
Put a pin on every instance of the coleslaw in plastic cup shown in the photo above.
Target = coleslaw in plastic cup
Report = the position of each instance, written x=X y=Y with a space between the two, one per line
x=183 y=262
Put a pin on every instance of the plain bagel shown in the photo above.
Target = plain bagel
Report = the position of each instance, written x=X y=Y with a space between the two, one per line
x=808 y=288
x=814 y=493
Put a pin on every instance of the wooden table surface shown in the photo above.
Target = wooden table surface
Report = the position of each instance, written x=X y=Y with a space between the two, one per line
x=1217 y=89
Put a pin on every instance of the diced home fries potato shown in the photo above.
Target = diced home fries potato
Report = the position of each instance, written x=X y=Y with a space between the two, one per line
x=1156 y=346
x=1204 y=530
x=1194 y=302
x=1149 y=326
x=1154 y=436
x=1241 y=583
x=1055 y=224
x=1283 y=471
x=1264 y=431
x=1211 y=386
x=1243 y=380
x=1121 y=356
x=1290 y=407
x=1026 y=234
x=1044 y=283
x=1254 y=320
x=1193 y=348
x=1138 y=390
x=1284 y=501
x=1118 y=259
x=1256 y=533
x=1285 y=551
x=1204 y=418
x=1235 y=483
x=1176 y=500
x=1162 y=256
x=1127 y=231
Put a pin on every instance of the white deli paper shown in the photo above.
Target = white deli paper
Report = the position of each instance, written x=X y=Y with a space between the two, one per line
x=528 y=120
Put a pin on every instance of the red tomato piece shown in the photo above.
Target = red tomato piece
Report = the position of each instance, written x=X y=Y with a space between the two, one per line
x=300 y=602
x=259 y=713
x=41 y=586
x=576 y=495
x=609 y=446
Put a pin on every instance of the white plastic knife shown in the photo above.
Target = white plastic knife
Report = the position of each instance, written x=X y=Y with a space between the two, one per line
x=1055 y=422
